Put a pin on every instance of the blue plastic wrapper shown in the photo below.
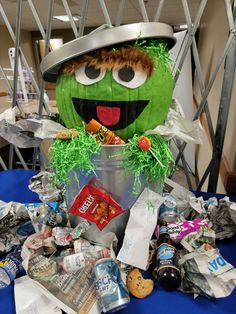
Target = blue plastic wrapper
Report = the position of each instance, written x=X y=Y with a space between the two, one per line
x=25 y=229
x=49 y=214
x=11 y=267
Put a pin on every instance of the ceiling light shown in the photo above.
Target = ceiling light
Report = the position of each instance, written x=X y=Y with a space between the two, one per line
x=65 y=18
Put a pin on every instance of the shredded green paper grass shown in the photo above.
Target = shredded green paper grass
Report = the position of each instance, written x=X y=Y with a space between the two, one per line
x=65 y=155
x=156 y=163
x=156 y=48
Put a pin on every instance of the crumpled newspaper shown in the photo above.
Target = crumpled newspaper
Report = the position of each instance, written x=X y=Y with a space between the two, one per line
x=13 y=217
x=73 y=292
x=11 y=214
x=43 y=185
x=223 y=218
x=28 y=132
x=176 y=125
x=15 y=236
x=221 y=213
x=205 y=272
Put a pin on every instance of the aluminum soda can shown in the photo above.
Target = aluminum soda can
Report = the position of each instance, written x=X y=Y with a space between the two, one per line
x=111 y=291
x=168 y=210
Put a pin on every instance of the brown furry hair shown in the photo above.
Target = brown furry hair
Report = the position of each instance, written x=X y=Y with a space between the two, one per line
x=103 y=59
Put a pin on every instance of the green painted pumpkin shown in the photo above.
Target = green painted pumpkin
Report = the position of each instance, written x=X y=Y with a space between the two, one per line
x=124 y=96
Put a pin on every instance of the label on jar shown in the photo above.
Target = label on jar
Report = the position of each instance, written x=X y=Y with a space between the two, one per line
x=163 y=229
x=165 y=256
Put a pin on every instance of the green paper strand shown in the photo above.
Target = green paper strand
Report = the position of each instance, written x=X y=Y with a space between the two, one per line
x=65 y=155
x=156 y=48
x=139 y=161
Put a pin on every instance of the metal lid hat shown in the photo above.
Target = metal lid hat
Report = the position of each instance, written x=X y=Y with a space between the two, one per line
x=101 y=38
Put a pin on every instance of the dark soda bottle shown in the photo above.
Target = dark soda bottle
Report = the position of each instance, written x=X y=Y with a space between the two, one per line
x=166 y=271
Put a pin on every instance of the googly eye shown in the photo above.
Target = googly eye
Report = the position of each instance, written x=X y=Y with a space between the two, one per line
x=129 y=77
x=89 y=75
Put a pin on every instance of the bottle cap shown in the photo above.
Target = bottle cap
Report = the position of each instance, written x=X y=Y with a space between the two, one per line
x=105 y=253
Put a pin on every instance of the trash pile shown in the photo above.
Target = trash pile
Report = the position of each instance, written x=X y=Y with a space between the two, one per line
x=170 y=237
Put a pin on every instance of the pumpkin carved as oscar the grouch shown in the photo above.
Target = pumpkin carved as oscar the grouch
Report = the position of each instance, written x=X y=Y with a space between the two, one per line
x=119 y=76
x=128 y=90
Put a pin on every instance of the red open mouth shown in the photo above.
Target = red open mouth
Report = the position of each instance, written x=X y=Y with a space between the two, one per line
x=114 y=115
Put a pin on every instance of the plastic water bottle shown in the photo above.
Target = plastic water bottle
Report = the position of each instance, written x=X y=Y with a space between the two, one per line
x=10 y=268
x=168 y=210
x=74 y=262
x=4 y=278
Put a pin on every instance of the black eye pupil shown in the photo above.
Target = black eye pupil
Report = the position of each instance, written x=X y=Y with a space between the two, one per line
x=126 y=74
x=92 y=72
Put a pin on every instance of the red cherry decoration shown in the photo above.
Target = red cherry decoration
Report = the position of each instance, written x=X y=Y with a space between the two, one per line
x=144 y=143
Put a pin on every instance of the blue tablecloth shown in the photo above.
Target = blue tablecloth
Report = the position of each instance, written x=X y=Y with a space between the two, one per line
x=14 y=187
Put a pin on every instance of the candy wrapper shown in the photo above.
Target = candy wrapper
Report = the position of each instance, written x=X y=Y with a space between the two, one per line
x=178 y=230
x=196 y=239
x=103 y=135
x=207 y=273
x=95 y=205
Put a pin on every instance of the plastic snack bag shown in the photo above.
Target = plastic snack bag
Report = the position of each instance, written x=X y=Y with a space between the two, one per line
x=94 y=204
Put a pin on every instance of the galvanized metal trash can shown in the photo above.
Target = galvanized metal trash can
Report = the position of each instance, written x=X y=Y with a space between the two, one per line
x=116 y=179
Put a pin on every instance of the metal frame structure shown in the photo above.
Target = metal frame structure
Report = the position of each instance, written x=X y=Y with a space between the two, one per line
x=227 y=58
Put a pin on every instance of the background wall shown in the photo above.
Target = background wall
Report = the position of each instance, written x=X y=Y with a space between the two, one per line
x=213 y=34
x=6 y=43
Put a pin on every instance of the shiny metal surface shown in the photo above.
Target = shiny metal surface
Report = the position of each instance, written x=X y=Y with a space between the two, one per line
x=50 y=65
x=117 y=180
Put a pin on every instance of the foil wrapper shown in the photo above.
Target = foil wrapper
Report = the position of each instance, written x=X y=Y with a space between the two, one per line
x=28 y=131
x=43 y=185
x=60 y=235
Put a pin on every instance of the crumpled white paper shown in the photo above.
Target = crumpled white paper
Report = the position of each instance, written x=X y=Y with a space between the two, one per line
x=30 y=300
x=139 y=230
x=176 y=125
